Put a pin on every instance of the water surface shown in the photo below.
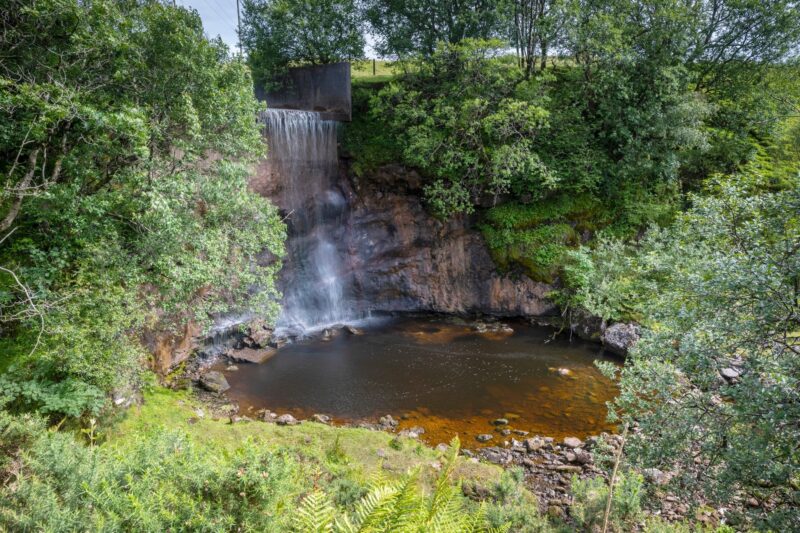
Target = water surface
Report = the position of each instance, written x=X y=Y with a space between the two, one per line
x=445 y=377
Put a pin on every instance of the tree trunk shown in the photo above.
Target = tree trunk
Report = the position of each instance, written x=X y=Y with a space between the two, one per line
x=16 y=205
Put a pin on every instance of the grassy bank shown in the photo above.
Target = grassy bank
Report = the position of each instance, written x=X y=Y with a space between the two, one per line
x=367 y=452
x=168 y=464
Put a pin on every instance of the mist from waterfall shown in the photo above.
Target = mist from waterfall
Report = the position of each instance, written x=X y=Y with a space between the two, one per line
x=303 y=158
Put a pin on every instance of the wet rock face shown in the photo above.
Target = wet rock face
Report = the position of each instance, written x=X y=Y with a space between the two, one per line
x=404 y=259
x=401 y=258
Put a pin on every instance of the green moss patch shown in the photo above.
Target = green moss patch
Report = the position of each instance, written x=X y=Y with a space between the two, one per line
x=537 y=236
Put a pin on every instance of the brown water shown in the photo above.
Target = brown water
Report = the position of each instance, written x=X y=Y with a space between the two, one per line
x=443 y=376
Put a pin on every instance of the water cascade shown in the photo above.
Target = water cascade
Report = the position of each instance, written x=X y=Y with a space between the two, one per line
x=303 y=159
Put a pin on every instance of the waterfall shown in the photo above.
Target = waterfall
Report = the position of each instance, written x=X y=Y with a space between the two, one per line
x=303 y=159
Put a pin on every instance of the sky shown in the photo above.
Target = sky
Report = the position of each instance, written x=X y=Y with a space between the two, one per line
x=219 y=18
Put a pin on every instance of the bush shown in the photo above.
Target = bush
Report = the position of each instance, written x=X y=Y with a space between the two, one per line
x=397 y=506
x=514 y=505
x=158 y=482
x=591 y=495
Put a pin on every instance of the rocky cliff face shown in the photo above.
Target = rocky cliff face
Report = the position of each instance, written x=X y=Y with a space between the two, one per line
x=400 y=258
x=406 y=260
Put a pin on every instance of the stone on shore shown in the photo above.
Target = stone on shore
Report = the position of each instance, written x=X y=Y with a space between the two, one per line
x=214 y=381
x=287 y=420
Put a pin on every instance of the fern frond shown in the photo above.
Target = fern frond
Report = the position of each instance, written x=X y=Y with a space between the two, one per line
x=406 y=506
x=372 y=509
x=315 y=514
x=477 y=522
x=443 y=492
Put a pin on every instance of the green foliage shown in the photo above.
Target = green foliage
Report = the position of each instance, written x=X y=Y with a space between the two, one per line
x=514 y=506
x=537 y=236
x=126 y=139
x=397 y=506
x=366 y=139
x=336 y=454
x=459 y=121
x=591 y=496
x=407 y=27
x=159 y=482
x=717 y=291
x=282 y=33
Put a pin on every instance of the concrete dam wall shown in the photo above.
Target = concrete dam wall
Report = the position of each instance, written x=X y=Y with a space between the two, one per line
x=323 y=88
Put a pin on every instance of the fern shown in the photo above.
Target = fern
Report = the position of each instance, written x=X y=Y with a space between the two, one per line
x=316 y=514
x=399 y=507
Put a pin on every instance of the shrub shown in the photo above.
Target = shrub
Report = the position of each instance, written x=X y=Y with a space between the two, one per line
x=397 y=506
x=588 y=508
x=158 y=482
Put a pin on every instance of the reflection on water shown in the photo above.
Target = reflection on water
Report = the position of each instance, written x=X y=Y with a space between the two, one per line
x=447 y=378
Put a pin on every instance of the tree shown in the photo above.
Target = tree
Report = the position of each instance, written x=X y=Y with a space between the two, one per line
x=536 y=27
x=125 y=140
x=461 y=123
x=741 y=35
x=282 y=33
x=406 y=27
x=713 y=386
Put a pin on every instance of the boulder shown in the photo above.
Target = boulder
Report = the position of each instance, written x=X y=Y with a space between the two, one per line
x=251 y=355
x=352 y=330
x=586 y=326
x=259 y=333
x=387 y=422
x=573 y=442
x=534 y=444
x=500 y=421
x=484 y=437
x=619 y=338
x=214 y=381
x=730 y=374
x=583 y=457
x=287 y=420
x=322 y=419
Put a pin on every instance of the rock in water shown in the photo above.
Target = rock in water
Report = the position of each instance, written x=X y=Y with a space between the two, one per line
x=251 y=355
x=485 y=437
x=322 y=419
x=352 y=330
x=214 y=381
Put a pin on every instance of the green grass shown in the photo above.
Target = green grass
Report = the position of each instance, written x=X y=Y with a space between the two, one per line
x=367 y=452
x=362 y=71
x=161 y=466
